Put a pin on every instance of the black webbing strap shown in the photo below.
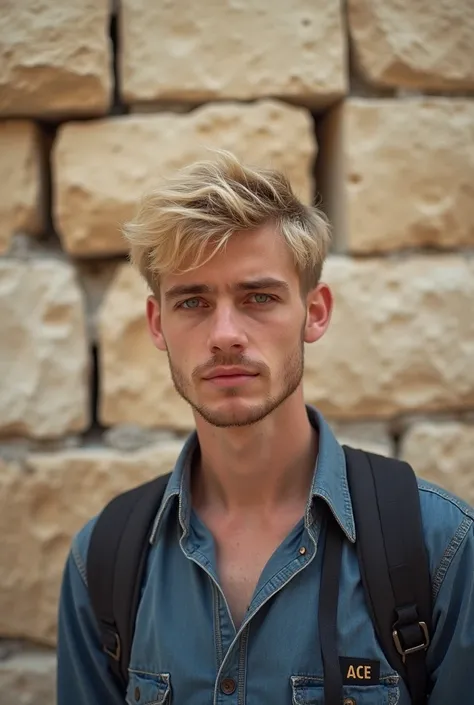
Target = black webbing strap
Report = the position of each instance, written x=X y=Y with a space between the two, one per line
x=328 y=601
x=393 y=562
x=116 y=562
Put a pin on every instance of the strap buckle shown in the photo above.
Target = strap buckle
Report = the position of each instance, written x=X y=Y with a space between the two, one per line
x=111 y=645
x=412 y=649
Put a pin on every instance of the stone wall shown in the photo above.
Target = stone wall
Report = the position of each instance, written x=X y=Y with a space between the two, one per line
x=369 y=104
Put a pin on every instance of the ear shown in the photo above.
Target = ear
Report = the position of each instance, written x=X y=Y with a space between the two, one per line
x=319 y=306
x=153 y=316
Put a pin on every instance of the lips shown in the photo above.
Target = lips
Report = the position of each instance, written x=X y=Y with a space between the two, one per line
x=230 y=372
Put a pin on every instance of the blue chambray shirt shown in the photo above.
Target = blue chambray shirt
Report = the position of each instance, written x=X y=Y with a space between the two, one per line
x=186 y=649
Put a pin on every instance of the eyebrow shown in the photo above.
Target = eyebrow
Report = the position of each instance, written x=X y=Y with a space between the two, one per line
x=250 y=285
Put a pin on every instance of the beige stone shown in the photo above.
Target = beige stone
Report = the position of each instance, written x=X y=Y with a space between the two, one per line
x=411 y=44
x=401 y=338
x=400 y=174
x=28 y=679
x=55 y=58
x=21 y=207
x=373 y=437
x=43 y=350
x=443 y=453
x=136 y=386
x=43 y=503
x=102 y=168
x=288 y=48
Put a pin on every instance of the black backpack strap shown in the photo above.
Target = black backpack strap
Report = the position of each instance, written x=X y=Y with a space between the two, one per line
x=393 y=562
x=116 y=563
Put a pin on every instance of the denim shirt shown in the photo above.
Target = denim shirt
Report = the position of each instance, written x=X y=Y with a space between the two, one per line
x=186 y=650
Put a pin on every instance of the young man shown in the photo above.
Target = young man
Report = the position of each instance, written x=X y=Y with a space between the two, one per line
x=229 y=606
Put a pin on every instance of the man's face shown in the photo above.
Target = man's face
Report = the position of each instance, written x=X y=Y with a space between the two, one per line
x=234 y=329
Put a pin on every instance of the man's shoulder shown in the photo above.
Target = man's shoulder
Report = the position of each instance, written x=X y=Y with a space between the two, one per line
x=80 y=546
x=447 y=522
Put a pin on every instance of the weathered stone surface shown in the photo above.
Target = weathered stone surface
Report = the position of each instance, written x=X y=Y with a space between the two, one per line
x=136 y=386
x=372 y=436
x=250 y=49
x=20 y=176
x=42 y=505
x=418 y=44
x=28 y=679
x=401 y=338
x=55 y=58
x=102 y=168
x=400 y=173
x=43 y=350
x=442 y=453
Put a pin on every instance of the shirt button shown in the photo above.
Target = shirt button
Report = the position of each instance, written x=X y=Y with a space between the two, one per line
x=137 y=693
x=228 y=686
x=349 y=701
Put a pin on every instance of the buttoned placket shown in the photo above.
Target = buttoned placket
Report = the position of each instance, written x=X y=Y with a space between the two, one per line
x=229 y=688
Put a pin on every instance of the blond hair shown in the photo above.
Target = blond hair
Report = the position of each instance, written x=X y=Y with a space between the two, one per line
x=207 y=202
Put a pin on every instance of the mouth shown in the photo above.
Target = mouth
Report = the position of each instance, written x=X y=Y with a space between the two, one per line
x=228 y=377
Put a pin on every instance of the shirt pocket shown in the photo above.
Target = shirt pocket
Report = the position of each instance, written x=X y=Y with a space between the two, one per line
x=148 y=688
x=308 y=690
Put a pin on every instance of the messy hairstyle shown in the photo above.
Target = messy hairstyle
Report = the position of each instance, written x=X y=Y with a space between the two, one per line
x=183 y=224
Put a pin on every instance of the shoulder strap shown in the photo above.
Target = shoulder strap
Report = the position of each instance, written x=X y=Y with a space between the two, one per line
x=116 y=563
x=393 y=561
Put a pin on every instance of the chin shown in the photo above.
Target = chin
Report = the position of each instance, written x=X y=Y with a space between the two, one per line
x=233 y=412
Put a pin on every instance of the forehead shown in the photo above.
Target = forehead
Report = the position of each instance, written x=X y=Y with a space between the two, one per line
x=248 y=254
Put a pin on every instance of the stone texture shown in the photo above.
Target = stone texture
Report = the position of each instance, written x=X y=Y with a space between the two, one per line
x=400 y=174
x=43 y=350
x=442 y=453
x=401 y=338
x=20 y=176
x=373 y=437
x=135 y=383
x=55 y=58
x=102 y=168
x=250 y=49
x=28 y=679
x=43 y=503
x=418 y=44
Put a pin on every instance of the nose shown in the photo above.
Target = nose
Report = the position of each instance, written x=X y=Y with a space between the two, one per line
x=226 y=332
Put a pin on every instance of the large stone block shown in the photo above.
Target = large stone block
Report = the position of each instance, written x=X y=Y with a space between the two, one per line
x=136 y=386
x=28 y=679
x=418 y=44
x=21 y=207
x=43 y=348
x=102 y=168
x=442 y=453
x=55 y=58
x=401 y=338
x=290 y=49
x=400 y=174
x=43 y=503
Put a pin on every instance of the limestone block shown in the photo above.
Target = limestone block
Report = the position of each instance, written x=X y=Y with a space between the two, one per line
x=400 y=174
x=21 y=207
x=102 y=168
x=442 y=453
x=373 y=437
x=28 y=679
x=43 y=503
x=420 y=44
x=136 y=386
x=55 y=58
x=251 y=49
x=43 y=350
x=401 y=338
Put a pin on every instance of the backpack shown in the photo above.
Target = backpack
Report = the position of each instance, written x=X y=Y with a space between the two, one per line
x=390 y=548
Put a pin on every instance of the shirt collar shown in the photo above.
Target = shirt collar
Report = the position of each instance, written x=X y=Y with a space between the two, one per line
x=329 y=481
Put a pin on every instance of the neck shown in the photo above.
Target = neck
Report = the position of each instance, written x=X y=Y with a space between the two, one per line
x=258 y=467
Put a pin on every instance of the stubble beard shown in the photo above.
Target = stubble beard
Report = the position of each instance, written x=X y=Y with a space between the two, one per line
x=292 y=374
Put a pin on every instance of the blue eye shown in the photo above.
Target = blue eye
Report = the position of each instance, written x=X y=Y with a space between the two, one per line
x=190 y=303
x=262 y=298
